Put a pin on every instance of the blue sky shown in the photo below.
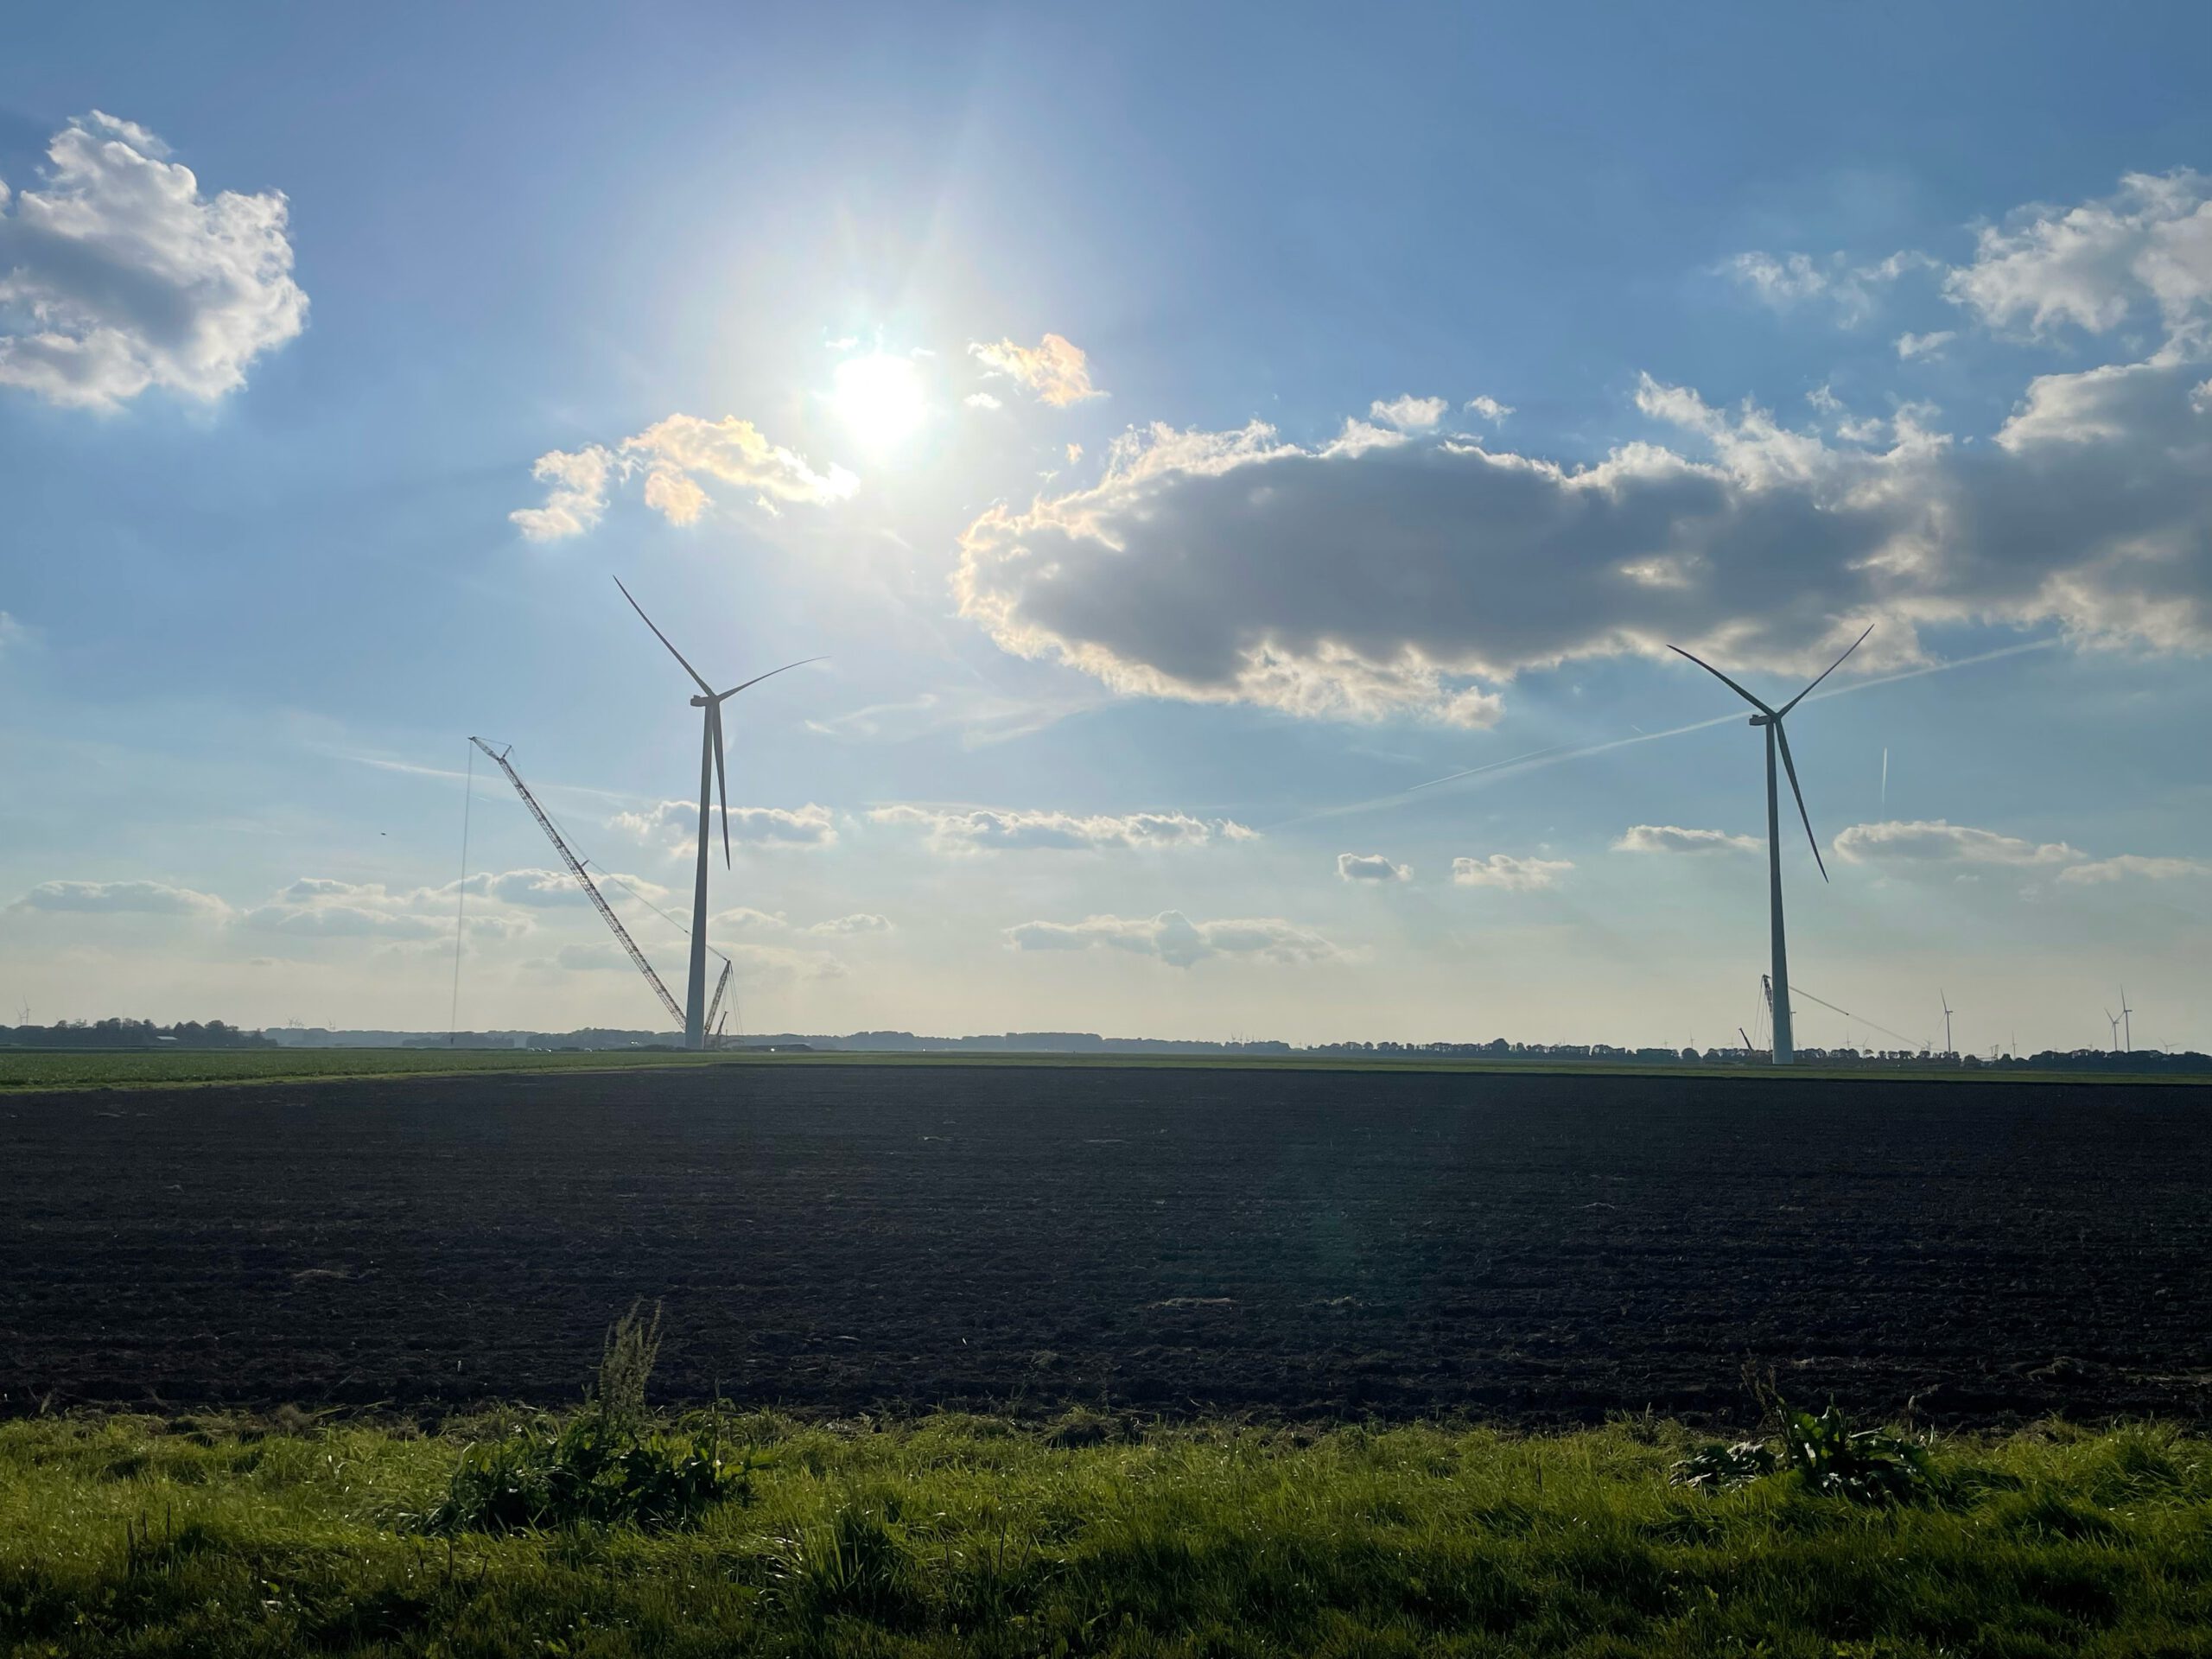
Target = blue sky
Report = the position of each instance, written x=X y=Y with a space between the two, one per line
x=1567 y=333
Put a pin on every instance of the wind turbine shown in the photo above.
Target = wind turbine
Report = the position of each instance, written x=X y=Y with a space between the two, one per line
x=714 y=780
x=1784 y=1048
x=2114 y=1020
x=1949 y=1054
x=2127 y=1025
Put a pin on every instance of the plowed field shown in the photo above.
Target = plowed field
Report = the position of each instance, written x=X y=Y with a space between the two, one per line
x=835 y=1239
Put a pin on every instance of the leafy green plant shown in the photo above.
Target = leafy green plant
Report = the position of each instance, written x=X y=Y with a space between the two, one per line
x=1717 y=1468
x=1867 y=1465
x=603 y=1466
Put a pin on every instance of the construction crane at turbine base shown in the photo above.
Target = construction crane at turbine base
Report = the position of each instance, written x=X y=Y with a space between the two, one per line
x=591 y=888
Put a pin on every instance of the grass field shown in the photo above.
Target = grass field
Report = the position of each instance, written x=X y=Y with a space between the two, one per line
x=54 y=1069
x=958 y=1535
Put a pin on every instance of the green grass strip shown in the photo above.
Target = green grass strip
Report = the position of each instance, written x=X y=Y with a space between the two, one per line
x=962 y=1535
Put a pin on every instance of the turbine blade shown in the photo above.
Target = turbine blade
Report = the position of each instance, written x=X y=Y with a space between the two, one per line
x=1723 y=680
x=722 y=773
x=1789 y=766
x=722 y=696
x=1824 y=673
x=663 y=638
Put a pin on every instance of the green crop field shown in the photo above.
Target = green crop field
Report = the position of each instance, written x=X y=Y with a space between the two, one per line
x=966 y=1535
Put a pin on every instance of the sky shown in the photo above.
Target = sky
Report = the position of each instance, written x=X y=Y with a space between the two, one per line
x=1243 y=468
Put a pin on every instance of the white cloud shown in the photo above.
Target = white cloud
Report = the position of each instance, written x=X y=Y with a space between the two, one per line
x=1075 y=454
x=2092 y=265
x=140 y=897
x=2135 y=866
x=1054 y=369
x=1939 y=841
x=575 y=496
x=1938 y=846
x=1378 y=576
x=1852 y=291
x=1927 y=345
x=981 y=400
x=1370 y=867
x=118 y=274
x=969 y=829
x=12 y=634
x=673 y=825
x=1489 y=408
x=1668 y=838
x=1409 y=413
x=1514 y=874
x=674 y=455
x=1175 y=939
x=859 y=922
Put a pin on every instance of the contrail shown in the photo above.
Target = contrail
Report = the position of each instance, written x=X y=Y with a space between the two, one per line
x=1540 y=758
x=1885 y=775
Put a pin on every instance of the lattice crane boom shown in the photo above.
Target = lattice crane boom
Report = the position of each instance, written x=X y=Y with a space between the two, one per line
x=583 y=879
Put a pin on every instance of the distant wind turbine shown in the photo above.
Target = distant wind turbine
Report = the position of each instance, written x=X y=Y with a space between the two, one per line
x=1949 y=1054
x=1776 y=740
x=713 y=779
x=2114 y=1020
x=2127 y=1025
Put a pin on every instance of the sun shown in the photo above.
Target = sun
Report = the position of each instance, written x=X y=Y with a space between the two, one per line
x=880 y=398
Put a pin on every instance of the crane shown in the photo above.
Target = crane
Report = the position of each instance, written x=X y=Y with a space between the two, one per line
x=584 y=880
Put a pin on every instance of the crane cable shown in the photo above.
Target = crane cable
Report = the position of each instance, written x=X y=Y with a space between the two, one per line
x=1799 y=990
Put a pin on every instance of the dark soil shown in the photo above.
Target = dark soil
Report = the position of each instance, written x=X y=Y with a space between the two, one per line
x=838 y=1239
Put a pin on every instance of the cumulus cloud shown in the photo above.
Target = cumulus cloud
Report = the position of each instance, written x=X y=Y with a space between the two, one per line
x=971 y=829
x=1370 y=867
x=1514 y=874
x=1175 y=939
x=673 y=825
x=1929 y=345
x=981 y=400
x=1851 y=291
x=2135 y=865
x=1670 y=838
x=1414 y=576
x=1409 y=413
x=2092 y=265
x=118 y=274
x=1054 y=369
x=141 y=898
x=1939 y=841
x=858 y=921
x=576 y=494
x=673 y=455
x=1489 y=408
x=1938 y=845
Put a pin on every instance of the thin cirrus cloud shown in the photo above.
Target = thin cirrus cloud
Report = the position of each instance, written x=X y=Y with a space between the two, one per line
x=118 y=273
x=1371 y=867
x=674 y=455
x=1937 y=846
x=1056 y=370
x=1672 y=838
x=974 y=830
x=1505 y=871
x=1173 y=938
x=1380 y=574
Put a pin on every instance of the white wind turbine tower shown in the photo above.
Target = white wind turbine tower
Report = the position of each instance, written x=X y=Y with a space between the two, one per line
x=1949 y=1054
x=1784 y=1048
x=2127 y=1025
x=2113 y=1019
x=714 y=778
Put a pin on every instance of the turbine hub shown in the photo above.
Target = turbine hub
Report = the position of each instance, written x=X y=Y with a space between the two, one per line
x=698 y=702
x=1756 y=720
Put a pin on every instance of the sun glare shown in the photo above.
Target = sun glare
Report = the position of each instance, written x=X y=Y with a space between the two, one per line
x=879 y=397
